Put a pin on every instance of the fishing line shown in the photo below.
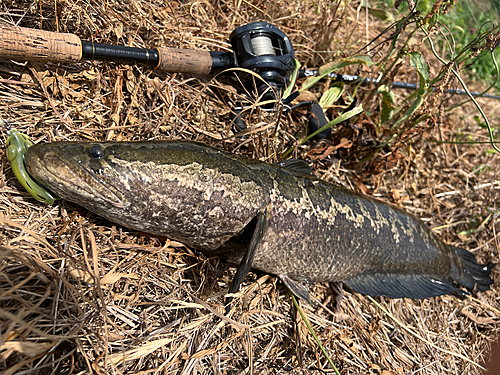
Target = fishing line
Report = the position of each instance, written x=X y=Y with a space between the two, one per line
x=262 y=45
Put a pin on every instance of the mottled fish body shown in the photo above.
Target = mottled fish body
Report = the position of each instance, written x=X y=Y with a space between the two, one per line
x=307 y=229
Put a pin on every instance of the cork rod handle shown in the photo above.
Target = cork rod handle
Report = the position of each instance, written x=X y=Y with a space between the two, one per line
x=19 y=43
x=184 y=61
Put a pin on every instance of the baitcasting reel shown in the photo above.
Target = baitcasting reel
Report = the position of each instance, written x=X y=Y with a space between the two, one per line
x=265 y=50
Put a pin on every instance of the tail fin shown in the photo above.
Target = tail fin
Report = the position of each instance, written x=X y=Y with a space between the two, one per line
x=469 y=273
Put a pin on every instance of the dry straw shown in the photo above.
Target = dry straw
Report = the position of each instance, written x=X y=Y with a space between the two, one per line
x=81 y=295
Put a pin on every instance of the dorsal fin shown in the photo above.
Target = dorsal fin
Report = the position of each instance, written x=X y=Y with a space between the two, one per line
x=297 y=165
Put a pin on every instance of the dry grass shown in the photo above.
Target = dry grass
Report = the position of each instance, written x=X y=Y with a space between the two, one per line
x=80 y=295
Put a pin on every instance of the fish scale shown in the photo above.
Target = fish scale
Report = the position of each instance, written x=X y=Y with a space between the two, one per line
x=278 y=219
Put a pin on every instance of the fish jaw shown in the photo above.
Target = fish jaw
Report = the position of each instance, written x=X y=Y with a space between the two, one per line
x=51 y=165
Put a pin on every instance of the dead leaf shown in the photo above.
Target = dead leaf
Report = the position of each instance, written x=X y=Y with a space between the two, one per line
x=326 y=151
x=305 y=96
x=50 y=84
x=481 y=320
x=361 y=186
x=118 y=29
x=63 y=85
x=112 y=277
x=402 y=356
x=176 y=244
x=115 y=117
x=25 y=77
x=396 y=194
x=86 y=114
x=28 y=348
x=140 y=351
x=82 y=275
x=219 y=347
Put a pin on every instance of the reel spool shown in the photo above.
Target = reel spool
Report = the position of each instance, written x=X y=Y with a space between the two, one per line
x=267 y=51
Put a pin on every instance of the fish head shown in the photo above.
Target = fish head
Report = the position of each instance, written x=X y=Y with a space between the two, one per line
x=78 y=172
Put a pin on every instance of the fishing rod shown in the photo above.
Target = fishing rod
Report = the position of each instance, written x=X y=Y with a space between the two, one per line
x=351 y=79
x=259 y=46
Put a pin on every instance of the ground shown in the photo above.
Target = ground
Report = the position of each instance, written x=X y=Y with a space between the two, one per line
x=82 y=295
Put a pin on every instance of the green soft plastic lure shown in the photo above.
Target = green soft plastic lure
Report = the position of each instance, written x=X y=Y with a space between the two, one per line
x=17 y=146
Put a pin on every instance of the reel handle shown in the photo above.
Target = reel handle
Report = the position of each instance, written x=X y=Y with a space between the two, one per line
x=184 y=61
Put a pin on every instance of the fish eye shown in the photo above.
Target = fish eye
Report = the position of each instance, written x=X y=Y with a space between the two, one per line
x=96 y=152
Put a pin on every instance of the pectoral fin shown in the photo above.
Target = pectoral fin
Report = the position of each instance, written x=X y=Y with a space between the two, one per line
x=246 y=261
x=296 y=287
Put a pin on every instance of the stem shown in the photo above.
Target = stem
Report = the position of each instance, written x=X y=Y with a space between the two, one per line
x=304 y=318
x=455 y=73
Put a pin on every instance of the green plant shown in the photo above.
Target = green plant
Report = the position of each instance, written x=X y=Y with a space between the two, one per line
x=460 y=25
x=425 y=23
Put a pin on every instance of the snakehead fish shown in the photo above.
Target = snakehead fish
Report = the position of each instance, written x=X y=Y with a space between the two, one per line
x=279 y=219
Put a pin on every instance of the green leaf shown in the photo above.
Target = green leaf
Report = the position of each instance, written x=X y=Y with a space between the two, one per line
x=336 y=65
x=293 y=78
x=410 y=111
x=344 y=116
x=422 y=68
x=309 y=82
x=433 y=20
x=388 y=103
x=331 y=95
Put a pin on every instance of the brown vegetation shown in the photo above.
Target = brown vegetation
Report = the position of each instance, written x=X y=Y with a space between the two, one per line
x=81 y=295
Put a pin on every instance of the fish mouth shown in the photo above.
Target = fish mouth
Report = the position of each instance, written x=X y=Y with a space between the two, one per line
x=55 y=166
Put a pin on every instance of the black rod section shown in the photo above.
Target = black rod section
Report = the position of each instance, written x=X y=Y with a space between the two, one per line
x=129 y=55
x=222 y=61
x=398 y=85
